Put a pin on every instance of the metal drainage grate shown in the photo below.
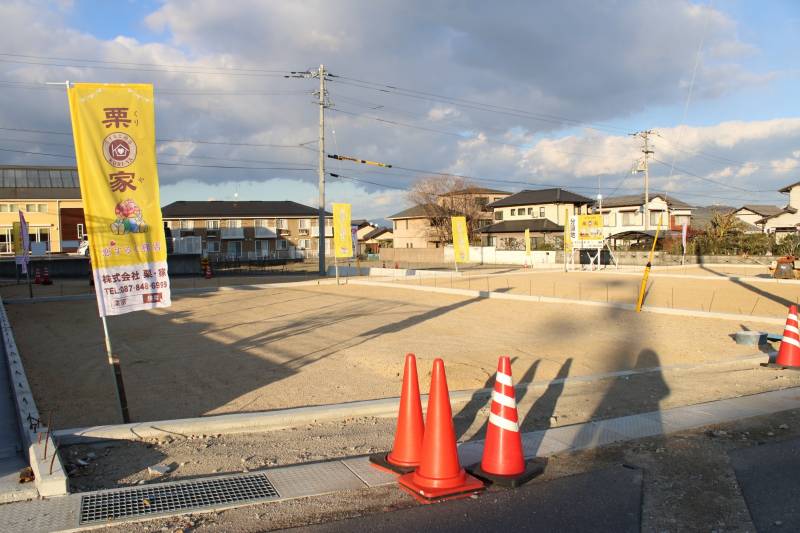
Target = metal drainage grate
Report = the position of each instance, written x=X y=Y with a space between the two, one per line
x=181 y=496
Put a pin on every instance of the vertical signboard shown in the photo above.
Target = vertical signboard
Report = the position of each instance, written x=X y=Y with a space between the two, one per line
x=460 y=239
x=342 y=238
x=527 y=241
x=113 y=126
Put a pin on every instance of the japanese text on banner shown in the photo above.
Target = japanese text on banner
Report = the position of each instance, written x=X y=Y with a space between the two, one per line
x=114 y=130
x=342 y=238
x=460 y=239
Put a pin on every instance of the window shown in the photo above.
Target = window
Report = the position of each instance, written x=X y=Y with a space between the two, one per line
x=212 y=246
x=187 y=224
x=541 y=212
x=235 y=223
x=530 y=211
x=406 y=223
x=281 y=244
x=498 y=215
x=304 y=244
x=630 y=218
x=31 y=208
x=262 y=223
x=481 y=201
x=262 y=247
x=8 y=208
x=212 y=224
x=610 y=219
x=81 y=231
x=513 y=212
x=394 y=222
x=305 y=223
x=654 y=216
x=283 y=223
x=680 y=220
x=234 y=248
x=42 y=208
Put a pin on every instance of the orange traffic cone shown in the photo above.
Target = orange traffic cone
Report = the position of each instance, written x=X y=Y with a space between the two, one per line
x=789 y=351
x=37 y=279
x=439 y=474
x=503 y=461
x=407 y=450
x=46 y=279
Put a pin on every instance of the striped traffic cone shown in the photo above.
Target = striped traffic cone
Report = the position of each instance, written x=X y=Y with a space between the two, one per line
x=789 y=351
x=46 y=279
x=503 y=462
x=407 y=450
x=439 y=475
x=37 y=279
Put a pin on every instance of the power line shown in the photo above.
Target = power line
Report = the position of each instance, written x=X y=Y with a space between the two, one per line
x=720 y=183
x=164 y=140
x=159 y=92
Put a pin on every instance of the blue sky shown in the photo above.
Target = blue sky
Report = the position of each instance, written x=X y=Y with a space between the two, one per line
x=623 y=66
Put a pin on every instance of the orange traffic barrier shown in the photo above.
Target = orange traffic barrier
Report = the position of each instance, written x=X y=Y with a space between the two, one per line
x=407 y=450
x=439 y=474
x=789 y=351
x=503 y=461
x=46 y=278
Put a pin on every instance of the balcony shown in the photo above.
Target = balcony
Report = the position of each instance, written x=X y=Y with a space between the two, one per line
x=305 y=231
x=232 y=233
x=283 y=231
x=265 y=233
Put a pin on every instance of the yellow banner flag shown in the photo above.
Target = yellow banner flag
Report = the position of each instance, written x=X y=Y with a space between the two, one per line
x=342 y=237
x=527 y=241
x=113 y=126
x=460 y=239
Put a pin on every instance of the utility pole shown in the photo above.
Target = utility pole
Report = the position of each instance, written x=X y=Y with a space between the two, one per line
x=322 y=100
x=645 y=135
x=321 y=241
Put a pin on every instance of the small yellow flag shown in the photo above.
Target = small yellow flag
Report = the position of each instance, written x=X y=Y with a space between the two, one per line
x=342 y=237
x=460 y=239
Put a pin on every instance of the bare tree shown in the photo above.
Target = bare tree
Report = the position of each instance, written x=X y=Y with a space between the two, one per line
x=442 y=197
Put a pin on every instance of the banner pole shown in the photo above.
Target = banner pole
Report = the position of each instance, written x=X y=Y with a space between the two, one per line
x=28 y=275
x=117 y=370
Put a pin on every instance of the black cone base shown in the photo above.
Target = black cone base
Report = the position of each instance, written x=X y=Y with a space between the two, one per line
x=532 y=469
x=381 y=460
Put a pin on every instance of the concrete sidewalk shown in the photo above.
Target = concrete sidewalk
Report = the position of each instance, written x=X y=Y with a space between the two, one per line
x=11 y=458
x=107 y=507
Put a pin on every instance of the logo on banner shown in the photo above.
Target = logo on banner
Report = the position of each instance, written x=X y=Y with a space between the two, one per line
x=119 y=149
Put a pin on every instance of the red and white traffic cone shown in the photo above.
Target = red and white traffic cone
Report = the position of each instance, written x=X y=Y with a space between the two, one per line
x=46 y=279
x=503 y=461
x=208 y=271
x=37 y=279
x=789 y=351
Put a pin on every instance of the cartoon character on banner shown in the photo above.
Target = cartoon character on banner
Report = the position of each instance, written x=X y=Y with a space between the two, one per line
x=128 y=218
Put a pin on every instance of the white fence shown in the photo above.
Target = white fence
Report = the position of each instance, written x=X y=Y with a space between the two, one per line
x=489 y=255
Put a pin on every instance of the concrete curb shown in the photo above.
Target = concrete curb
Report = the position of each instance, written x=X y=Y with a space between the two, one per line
x=294 y=417
x=51 y=480
x=550 y=299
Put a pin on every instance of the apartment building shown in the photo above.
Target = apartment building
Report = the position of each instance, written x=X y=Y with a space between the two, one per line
x=249 y=229
x=412 y=228
x=50 y=198
x=624 y=214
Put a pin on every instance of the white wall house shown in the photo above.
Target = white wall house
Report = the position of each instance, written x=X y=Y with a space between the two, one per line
x=788 y=219
x=554 y=205
x=752 y=214
x=627 y=213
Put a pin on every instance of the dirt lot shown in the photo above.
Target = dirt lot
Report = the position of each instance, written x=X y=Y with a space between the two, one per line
x=667 y=288
x=258 y=349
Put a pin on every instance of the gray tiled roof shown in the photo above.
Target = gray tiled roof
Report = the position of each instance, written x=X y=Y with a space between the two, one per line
x=39 y=182
x=541 y=196
x=518 y=226
x=638 y=199
x=228 y=209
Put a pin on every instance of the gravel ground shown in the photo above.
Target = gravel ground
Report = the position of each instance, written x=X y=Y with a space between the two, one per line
x=259 y=349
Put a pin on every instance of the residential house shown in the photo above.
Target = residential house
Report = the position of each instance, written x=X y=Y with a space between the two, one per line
x=249 y=229
x=376 y=239
x=412 y=227
x=752 y=214
x=544 y=212
x=510 y=234
x=788 y=219
x=50 y=198
x=626 y=214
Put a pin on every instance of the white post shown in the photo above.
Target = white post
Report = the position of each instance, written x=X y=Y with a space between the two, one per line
x=117 y=371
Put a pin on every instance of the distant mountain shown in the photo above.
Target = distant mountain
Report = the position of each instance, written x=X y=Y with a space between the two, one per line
x=701 y=215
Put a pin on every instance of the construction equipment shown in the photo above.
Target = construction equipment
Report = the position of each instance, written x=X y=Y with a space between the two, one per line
x=783 y=268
